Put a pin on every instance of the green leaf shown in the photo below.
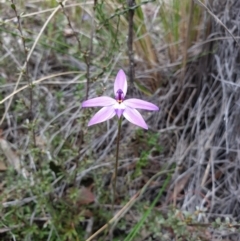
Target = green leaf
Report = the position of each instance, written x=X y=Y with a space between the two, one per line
x=13 y=6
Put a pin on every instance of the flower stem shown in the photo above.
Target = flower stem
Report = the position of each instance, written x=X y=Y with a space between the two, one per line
x=114 y=177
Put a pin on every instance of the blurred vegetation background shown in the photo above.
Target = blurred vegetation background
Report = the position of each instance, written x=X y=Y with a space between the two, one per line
x=177 y=181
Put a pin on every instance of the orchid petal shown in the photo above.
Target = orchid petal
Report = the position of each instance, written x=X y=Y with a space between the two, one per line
x=140 y=104
x=120 y=82
x=119 y=112
x=99 y=101
x=119 y=109
x=134 y=117
x=102 y=115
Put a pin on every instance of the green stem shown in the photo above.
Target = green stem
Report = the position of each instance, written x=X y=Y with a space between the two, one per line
x=116 y=163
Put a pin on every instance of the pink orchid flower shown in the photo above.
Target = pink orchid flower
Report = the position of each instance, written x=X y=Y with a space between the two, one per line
x=119 y=106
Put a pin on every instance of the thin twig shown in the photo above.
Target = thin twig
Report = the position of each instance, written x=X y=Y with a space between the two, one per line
x=70 y=25
x=86 y=54
x=89 y=53
x=131 y=5
x=125 y=10
x=26 y=70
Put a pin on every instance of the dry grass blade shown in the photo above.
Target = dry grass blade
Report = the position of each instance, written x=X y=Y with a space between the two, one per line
x=37 y=82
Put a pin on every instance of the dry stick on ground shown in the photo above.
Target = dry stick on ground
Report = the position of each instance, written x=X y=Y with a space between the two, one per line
x=27 y=71
x=131 y=5
x=28 y=57
x=217 y=19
